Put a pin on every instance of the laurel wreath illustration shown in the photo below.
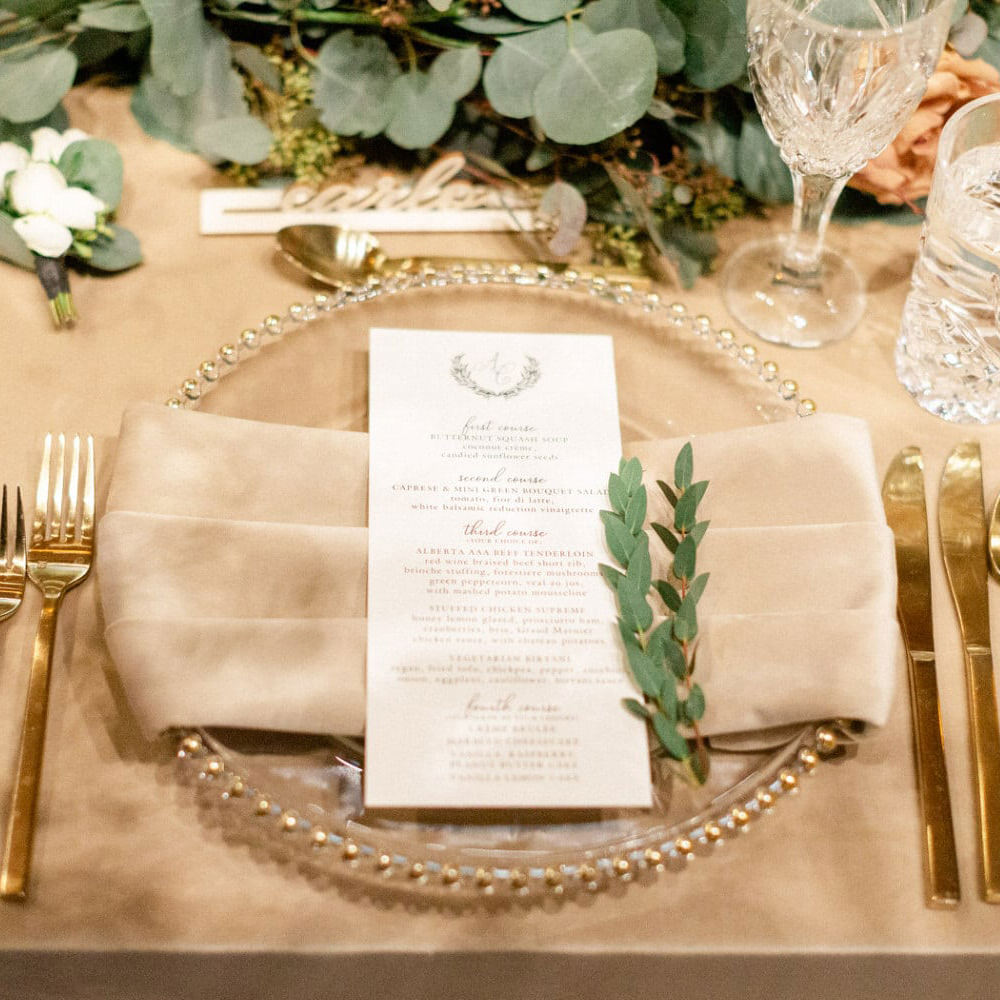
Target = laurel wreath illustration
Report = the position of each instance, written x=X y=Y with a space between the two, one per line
x=462 y=374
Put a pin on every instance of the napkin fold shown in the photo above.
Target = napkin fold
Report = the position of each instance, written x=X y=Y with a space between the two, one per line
x=233 y=571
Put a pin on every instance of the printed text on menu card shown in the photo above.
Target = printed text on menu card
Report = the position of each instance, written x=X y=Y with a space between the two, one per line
x=495 y=675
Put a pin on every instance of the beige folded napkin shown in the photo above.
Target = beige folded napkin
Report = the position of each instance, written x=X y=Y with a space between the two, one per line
x=232 y=572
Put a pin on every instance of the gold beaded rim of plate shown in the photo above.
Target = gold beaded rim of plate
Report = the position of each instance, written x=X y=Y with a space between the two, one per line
x=590 y=872
x=581 y=282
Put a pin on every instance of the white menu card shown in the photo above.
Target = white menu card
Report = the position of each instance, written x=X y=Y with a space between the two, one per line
x=495 y=673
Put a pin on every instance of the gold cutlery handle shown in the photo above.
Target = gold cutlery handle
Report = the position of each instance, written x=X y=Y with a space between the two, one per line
x=986 y=760
x=940 y=854
x=21 y=824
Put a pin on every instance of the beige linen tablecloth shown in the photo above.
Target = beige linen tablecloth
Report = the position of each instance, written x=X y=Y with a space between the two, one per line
x=136 y=894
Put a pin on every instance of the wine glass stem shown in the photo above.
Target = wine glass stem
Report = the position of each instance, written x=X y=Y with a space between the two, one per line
x=815 y=196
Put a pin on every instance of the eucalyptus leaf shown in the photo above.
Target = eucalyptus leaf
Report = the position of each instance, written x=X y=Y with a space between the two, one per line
x=12 y=247
x=697 y=532
x=669 y=539
x=456 y=71
x=517 y=66
x=617 y=493
x=695 y=704
x=20 y=132
x=567 y=207
x=539 y=158
x=118 y=254
x=31 y=88
x=684 y=559
x=668 y=593
x=715 y=46
x=697 y=587
x=603 y=84
x=611 y=575
x=164 y=115
x=253 y=60
x=685 y=513
x=353 y=83
x=540 y=10
x=635 y=513
x=759 y=166
x=629 y=638
x=639 y=566
x=686 y=620
x=650 y=16
x=96 y=165
x=712 y=143
x=635 y=610
x=637 y=708
x=669 y=737
x=124 y=17
x=421 y=113
x=668 y=492
x=647 y=675
x=238 y=139
x=631 y=473
x=673 y=655
x=620 y=541
x=684 y=467
x=175 y=50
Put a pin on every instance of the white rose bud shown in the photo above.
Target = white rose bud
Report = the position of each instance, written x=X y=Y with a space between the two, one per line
x=43 y=235
x=33 y=188
x=76 y=207
x=47 y=145
x=12 y=157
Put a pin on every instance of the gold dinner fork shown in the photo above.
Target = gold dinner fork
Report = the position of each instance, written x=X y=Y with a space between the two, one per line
x=12 y=567
x=59 y=557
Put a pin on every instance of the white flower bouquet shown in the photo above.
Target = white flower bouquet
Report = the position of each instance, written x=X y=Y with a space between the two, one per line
x=56 y=202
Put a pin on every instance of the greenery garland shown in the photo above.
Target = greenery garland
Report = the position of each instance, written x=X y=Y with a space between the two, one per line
x=640 y=108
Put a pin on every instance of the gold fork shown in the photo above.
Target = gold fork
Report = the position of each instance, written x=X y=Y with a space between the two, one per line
x=12 y=570
x=59 y=557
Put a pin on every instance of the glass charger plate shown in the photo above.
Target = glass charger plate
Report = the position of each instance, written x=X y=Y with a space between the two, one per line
x=301 y=795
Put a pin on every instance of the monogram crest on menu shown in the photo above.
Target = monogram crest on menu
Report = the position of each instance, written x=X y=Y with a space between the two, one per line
x=496 y=377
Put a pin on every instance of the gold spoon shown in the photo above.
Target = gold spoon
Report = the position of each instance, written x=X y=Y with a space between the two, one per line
x=993 y=539
x=336 y=256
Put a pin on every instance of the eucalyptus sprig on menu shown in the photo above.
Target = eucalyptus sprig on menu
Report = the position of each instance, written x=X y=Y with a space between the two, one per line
x=660 y=644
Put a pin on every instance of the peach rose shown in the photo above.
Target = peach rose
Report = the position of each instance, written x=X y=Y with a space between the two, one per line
x=901 y=173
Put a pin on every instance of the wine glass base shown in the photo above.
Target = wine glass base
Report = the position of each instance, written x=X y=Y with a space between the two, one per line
x=786 y=310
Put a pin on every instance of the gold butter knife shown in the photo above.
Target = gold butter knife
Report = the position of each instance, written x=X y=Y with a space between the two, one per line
x=906 y=511
x=962 y=517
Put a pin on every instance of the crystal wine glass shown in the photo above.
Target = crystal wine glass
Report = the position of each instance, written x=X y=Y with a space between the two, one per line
x=835 y=80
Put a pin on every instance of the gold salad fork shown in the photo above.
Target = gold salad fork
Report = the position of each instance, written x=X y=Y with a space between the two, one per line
x=12 y=567
x=59 y=557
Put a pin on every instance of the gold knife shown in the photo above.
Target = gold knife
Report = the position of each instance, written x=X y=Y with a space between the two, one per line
x=906 y=511
x=962 y=516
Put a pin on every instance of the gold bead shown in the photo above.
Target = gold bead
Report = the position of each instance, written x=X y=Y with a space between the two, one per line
x=702 y=322
x=289 y=822
x=229 y=354
x=450 y=875
x=350 y=850
x=807 y=405
x=727 y=336
x=296 y=311
x=272 y=324
x=383 y=862
x=553 y=877
x=484 y=877
x=808 y=758
x=789 y=388
x=764 y=798
x=209 y=371
x=236 y=788
x=319 y=838
x=749 y=352
x=769 y=369
x=191 y=389
x=418 y=869
x=678 y=308
x=683 y=846
x=621 y=866
x=518 y=880
x=740 y=816
x=174 y=403
x=713 y=832
x=214 y=766
x=653 y=857
x=262 y=807
x=249 y=339
x=826 y=741
x=192 y=744
x=587 y=873
x=789 y=780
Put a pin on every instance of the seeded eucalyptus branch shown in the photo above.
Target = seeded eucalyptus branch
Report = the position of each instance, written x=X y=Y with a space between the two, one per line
x=660 y=652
